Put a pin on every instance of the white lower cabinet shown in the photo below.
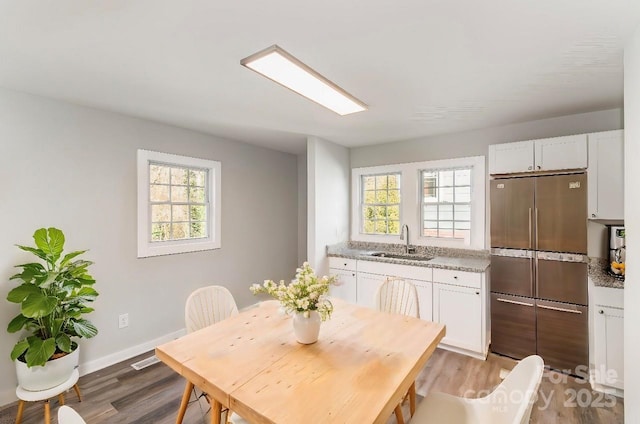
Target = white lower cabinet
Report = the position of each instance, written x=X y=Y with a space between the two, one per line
x=457 y=299
x=346 y=287
x=425 y=299
x=609 y=351
x=460 y=309
x=345 y=272
x=367 y=287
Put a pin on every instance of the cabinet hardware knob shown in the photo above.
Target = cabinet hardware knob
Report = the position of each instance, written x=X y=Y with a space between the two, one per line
x=539 y=167
x=593 y=215
x=530 y=168
x=455 y=277
x=477 y=292
x=601 y=311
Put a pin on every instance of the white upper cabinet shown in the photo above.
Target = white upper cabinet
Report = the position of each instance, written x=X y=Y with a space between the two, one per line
x=606 y=175
x=508 y=158
x=549 y=154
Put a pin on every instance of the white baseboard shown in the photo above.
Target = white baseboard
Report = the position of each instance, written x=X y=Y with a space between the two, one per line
x=123 y=355
x=9 y=396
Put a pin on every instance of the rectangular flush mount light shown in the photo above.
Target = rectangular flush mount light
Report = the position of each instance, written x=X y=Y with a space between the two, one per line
x=281 y=67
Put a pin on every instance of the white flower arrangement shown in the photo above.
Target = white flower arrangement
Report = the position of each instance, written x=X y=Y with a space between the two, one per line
x=305 y=294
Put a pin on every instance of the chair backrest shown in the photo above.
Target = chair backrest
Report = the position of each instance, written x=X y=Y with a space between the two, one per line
x=67 y=415
x=208 y=305
x=512 y=401
x=398 y=296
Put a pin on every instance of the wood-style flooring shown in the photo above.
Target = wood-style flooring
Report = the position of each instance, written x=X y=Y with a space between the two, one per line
x=120 y=394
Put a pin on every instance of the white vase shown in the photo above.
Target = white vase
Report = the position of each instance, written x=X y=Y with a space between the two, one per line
x=305 y=329
x=52 y=374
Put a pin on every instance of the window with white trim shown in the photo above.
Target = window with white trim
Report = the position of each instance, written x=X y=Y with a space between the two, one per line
x=442 y=202
x=380 y=204
x=178 y=204
x=446 y=203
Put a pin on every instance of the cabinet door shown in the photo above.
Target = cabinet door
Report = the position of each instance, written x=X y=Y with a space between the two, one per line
x=563 y=335
x=513 y=325
x=561 y=213
x=346 y=290
x=460 y=310
x=367 y=286
x=425 y=299
x=561 y=153
x=606 y=175
x=609 y=346
x=512 y=207
x=508 y=158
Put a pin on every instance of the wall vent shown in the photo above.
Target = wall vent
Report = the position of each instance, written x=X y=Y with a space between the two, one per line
x=147 y=362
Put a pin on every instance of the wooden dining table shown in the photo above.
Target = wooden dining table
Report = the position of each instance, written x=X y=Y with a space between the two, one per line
x=358 y=371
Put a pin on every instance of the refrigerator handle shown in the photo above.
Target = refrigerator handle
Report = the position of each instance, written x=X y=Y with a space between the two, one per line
x=536 y=226
x=530 y=246
x=553 y=308
x=534 y=275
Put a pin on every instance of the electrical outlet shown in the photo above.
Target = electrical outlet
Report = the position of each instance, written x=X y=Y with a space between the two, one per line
x=123 y=321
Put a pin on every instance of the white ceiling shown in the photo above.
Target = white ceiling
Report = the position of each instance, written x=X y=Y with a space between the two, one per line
x=423 y=66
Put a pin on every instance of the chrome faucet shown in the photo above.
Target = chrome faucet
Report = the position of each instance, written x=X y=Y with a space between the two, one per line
x=407 y=249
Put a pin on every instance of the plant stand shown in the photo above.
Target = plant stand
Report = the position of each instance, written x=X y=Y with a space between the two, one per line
x=45 y=395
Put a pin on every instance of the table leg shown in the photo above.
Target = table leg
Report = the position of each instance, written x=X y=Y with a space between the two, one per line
x=398 y=412
x=216 y=411
x=20 y=411
x=412 y=398
x=47 y=412
x=61 y=399
x=185 y=401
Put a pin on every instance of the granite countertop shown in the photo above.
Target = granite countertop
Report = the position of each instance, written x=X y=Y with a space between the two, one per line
x=599 y=275
x=454 y=259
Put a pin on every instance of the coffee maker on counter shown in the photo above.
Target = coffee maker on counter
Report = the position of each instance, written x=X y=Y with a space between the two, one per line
x=617 y=251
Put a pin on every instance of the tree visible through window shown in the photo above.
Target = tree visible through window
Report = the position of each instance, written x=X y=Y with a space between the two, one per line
x=178 y=202
x=446 y=203
x=380 y=204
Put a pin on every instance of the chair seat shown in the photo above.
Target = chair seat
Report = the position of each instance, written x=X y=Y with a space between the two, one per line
x=29 y=396
x=438 y=408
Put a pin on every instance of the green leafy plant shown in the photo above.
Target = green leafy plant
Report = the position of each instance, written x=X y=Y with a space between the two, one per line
x=53 y=297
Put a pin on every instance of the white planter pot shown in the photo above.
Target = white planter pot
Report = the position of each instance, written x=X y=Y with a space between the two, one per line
x=306 y=330
x=52 y=374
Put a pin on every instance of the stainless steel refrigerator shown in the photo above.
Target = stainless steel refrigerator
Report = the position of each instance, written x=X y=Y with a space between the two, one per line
x=539 y=299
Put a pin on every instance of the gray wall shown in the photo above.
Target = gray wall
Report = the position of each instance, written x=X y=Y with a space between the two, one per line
x=328 y=199
x=75 y=168
x=475 y=143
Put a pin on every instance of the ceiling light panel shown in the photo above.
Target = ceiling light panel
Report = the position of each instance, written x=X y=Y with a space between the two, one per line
x=281 y=67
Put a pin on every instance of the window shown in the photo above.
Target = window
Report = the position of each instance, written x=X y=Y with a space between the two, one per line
x=442 y=202
x=446 y=203
x=380 y=204
x=178 y=204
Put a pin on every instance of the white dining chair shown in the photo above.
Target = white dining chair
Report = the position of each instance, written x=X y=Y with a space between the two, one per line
x=204 y=307
x=208 y=305
x=510 y=403
x=67 y=415
x=398 y=296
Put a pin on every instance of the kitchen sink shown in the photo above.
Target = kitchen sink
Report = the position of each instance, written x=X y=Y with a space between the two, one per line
x=402 y=256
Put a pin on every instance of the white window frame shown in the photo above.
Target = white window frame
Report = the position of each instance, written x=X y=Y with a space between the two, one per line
x=147 y=248
x=411 y=207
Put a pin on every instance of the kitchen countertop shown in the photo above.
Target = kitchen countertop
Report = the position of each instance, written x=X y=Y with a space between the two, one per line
x=599 y=276
x=454 y=259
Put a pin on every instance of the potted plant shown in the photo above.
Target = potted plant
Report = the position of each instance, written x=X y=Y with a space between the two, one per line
x=306 y=298
x=53 y=295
